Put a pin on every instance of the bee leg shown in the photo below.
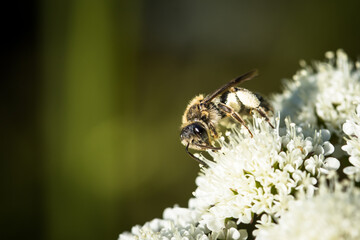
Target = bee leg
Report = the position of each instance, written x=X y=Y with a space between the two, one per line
x=231 y=112
x=213 y=131
x=263 y=114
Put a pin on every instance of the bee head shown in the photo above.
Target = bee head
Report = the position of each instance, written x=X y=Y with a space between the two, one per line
x=195 y=135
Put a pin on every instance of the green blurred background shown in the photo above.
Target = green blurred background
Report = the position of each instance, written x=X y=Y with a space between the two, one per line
x=93 y=92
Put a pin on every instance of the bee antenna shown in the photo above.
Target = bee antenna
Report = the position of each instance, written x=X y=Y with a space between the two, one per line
x=197 y=159
x=207 y=147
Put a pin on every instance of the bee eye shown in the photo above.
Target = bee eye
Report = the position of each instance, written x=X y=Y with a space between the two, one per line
x=198 y=129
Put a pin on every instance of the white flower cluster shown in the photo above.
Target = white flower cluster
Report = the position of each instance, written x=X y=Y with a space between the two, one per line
x=333 y=213
x=270 y=182
x=250 y=175
x=181 y=224
x=170 y=227
x=324 y=96
x=259 y=174
x=352 y=129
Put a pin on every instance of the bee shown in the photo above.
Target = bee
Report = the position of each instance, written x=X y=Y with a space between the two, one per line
x=200 y=122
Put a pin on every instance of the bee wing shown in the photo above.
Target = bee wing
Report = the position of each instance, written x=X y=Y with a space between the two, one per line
x=238 y=80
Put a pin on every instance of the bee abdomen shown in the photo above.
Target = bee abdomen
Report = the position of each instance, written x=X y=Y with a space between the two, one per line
x=266 y=106
x=247 y=98
x=231 y=99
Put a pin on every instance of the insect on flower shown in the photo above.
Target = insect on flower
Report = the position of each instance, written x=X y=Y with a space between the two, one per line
x=200 y=122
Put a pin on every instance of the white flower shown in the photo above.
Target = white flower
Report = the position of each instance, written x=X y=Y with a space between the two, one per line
x=324 y=96
x=333 y=213
x=259 y=174
x=352 y=128
x=177 y=223
x=181 y=224
x=163 y=229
